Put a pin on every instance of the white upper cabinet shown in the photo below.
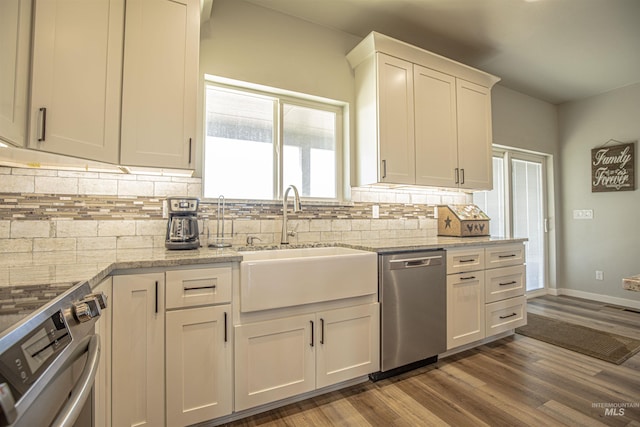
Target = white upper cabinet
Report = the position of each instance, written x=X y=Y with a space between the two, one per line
x=421 y=119
x=474 y=136
x=76 y=78
x=15 y=41
x=160 y=83
x=395 y=115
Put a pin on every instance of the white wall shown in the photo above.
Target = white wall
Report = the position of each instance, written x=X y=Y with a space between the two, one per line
x=611 y=241
x=246 y=42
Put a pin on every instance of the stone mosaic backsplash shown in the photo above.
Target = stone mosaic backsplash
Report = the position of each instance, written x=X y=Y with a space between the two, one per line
x=46 y=210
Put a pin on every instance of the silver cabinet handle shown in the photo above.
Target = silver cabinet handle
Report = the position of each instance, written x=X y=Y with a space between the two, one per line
x=507 y=256
x=156 y=296
x=457 y=174
x=384 y=169
x=321 y=331
x=190 y=144
x=462 y=176
x=468 y=278
x=43 y=124
x=82 y=391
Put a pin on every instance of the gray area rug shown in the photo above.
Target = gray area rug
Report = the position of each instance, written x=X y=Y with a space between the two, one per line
x=602 y=345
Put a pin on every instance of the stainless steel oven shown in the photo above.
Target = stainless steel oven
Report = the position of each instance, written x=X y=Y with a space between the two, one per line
x=48 y=363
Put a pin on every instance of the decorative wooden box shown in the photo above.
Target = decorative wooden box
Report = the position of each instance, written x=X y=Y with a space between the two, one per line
x=462 y=221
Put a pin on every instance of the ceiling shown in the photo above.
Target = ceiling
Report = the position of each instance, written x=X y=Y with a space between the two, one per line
x=554 y=50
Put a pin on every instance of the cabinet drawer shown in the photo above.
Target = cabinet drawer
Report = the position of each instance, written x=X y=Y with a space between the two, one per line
x=504 y=255
x=503 y=283
x=462 y=260
x=188 y=288
x=504 y=315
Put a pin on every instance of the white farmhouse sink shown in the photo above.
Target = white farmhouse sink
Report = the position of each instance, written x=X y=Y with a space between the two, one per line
x=287 y=277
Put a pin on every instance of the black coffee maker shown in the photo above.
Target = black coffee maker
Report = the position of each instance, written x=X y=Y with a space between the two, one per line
x=182 y=228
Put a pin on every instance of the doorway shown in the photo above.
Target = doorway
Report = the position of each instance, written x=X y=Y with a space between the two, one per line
x=517 y=208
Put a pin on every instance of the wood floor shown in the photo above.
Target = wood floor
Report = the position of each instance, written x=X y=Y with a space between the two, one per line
x=516 y=381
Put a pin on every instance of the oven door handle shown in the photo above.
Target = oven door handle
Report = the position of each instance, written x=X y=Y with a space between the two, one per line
x=82 y=390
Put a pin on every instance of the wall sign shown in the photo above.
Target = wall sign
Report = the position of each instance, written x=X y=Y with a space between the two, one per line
x=613 y=168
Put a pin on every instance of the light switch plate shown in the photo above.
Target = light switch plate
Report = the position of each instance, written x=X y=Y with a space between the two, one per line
x=583 y=214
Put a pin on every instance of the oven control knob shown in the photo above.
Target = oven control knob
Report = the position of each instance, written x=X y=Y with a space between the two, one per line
x=82 y=311
x=86 y=309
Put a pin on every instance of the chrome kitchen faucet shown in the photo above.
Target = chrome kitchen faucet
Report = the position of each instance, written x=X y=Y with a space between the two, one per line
x=296 y=208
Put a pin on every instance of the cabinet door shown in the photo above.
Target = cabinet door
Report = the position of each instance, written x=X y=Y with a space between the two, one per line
x=275 y=359
x=348 y=343
x=396 y=122
x=474 y=136
x=199 y=365
x=465 y=308
x=15 y=33
x=76 y=78
x=102 y=387
x=436 y=127
x=138 y=350
x=160 y=82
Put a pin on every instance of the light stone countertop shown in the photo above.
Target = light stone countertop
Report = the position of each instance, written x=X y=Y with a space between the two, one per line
x=29 y=280
x=631 y=283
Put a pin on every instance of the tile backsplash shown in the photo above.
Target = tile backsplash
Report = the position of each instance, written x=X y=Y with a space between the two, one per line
x=47 y=210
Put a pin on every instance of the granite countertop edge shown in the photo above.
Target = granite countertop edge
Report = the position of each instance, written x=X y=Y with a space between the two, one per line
x=30 y=280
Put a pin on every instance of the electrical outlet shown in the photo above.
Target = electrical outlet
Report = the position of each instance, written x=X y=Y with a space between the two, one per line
x=375 y=211
x=599 y=275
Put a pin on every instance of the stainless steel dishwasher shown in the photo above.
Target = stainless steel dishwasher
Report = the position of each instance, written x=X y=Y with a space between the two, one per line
x=413 y=299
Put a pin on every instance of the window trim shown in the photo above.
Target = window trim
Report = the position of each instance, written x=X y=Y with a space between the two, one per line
x=281 y=97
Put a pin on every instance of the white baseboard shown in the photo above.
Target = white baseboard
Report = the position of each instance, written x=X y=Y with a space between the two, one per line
x=596 y=297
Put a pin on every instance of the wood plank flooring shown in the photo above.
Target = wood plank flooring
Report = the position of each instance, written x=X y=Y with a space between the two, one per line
x=515 y=381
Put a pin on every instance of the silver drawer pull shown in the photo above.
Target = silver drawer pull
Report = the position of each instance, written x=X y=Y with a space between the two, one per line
x=468 y=278
x=513 y=282
x=467 y=260
x=507 y=256
x=508 y=315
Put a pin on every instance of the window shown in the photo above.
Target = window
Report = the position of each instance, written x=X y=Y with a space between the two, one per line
x=258 y=143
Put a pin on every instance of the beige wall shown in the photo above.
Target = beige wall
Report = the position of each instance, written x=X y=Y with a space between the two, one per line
x=611 y=241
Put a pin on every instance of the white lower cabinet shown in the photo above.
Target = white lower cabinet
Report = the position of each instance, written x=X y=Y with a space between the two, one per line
x=485 y=292
x=465 y=308
x=171 y=354
x=284 y=357
x=137 y=362
x=275 y=359
x=199 y=364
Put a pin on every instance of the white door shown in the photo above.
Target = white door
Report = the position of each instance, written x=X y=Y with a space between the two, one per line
x=76 y=78
x=436 y=132
x=138 y=350
x=275 y=359
x=348 y=343
x=528 y=205
x=160 y=83
x=517 y=207
x=396 y=121
x=199 y=364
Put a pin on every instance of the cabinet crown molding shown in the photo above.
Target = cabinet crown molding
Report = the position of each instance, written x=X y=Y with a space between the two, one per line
x=376 y=42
